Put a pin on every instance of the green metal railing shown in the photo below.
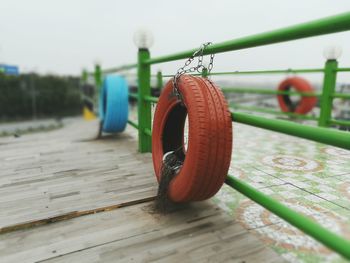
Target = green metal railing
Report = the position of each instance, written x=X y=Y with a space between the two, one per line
x=327 y=96
x=258 y=72
x=330 y=70
x=321 y=134
x=300 y=221
x=269 y=92
x=318 y=134
x=274 y=112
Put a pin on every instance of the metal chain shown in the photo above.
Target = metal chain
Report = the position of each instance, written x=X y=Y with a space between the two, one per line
x=199 y=68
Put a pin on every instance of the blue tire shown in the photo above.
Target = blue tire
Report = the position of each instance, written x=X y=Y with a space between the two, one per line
x=113 y=108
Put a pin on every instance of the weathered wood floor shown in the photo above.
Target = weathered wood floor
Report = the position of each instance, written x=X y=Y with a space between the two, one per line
x=101 y=192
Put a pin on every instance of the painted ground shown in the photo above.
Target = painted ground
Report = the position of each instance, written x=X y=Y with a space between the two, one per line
x=310 y=177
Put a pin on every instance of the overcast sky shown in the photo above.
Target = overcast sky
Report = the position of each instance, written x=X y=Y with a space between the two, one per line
x=63 y=36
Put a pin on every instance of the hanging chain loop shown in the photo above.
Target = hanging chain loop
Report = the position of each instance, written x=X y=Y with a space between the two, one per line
x=187 y=69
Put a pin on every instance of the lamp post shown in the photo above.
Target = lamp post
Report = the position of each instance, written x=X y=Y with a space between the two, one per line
x=331 y=54
x=143 y=39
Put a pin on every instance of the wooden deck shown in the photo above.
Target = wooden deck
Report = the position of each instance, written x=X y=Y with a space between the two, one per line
x=66 y=197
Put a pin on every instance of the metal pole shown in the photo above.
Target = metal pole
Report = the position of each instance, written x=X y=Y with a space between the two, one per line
x=159 y=80
x=133 y=124
x=98 y=84
x=98 y=77
x=272 y=111
x=318 y=134
x=327 y=25
x=144 y=107
x=257 y=72
x=340 y=122
x=329 y=83
x=268 y=92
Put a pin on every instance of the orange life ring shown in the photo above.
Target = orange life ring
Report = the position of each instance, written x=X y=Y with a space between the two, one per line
x=305 y=104
x=208 y=154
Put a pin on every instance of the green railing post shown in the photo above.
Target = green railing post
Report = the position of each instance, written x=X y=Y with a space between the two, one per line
x=98 y=84
x=84 y=76
x=144 y=107
x=98 y=76
x=159 y=80
x=98 y=81
x=326 y=100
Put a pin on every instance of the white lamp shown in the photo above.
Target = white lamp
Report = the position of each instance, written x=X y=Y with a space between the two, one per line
x=143 y=38
x=332 y=52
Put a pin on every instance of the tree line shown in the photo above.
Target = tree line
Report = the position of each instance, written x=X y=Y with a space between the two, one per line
x=31 y=95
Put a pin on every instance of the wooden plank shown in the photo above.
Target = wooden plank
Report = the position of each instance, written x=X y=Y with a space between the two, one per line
x=199 y=232
x=47 y=175
x=70 y=215
x=59 y=194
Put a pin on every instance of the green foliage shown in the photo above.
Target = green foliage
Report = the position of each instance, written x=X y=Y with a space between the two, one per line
x=54 y=96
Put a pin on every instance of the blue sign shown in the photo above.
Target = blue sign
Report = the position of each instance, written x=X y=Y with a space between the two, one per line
x=9 y=70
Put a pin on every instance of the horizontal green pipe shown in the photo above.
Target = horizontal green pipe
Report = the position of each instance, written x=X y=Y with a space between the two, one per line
x=151 y=99
x=256 y=72
x=324 y=135
x=269 y=92
x=121 y=68
x=148 y=132
x=341 y=95
x=253 y=72
x=343 y=69
x=133 y=95
x=332 y=24
x=133 y=124
x=305 y=224
x=266 y=110
x=340 y=122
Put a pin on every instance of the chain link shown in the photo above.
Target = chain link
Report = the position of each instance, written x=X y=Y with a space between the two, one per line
x=199 y=68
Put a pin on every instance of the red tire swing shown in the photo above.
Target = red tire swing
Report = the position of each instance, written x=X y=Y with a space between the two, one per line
x=305 y=104
x=206 y=161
